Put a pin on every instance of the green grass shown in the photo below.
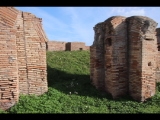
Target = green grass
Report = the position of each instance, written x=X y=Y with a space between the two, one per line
x=70 y=91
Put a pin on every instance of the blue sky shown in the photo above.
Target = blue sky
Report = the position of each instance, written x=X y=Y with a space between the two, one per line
x=76 y=23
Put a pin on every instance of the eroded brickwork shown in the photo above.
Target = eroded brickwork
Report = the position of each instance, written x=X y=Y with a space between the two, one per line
x=97 y=59
x=9 y=92
x=124 y=51
x=23 y=56
x=142 y=57
x=158 y=56
x=35 y=48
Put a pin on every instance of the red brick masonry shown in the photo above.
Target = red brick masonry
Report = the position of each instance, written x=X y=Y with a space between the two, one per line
x=22 y=56
x=124 y=57
x=66 y=46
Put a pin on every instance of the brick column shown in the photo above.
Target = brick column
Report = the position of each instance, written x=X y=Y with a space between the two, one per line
x=115 y=56
x=142 y=56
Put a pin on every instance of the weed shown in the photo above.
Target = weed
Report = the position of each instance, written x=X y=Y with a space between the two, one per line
x=70 y=91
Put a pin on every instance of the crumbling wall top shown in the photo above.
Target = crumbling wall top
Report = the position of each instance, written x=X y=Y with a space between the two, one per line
x=149 y=25
x=114 y=17
x=53 y=41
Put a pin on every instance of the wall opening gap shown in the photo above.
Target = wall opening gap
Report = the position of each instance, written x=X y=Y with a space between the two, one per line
x=149 y=64
x=109 y=41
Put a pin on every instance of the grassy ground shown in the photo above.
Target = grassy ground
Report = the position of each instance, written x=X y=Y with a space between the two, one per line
x=70 y=91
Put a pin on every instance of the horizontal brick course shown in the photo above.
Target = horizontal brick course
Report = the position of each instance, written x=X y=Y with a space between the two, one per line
x=66 y=46
x=127 y=55
x=22 y=56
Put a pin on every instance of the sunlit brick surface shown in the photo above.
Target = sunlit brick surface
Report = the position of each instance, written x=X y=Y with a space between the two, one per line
x=123 y=57
x=22 y=56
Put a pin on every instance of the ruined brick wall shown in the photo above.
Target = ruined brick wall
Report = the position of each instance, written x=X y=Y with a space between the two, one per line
x=129 y=50
x=158 y=56
x=66 y=46
x=35 y=49
x=109 y=58
x=97 y=74
x=115 y=56
x=77 y=46
x=56 y=46
x=142 y=57
x=87 y=48
x=23 y=56
x=9 y=88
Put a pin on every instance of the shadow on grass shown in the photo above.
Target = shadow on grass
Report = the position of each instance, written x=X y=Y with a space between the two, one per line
x=76 y=84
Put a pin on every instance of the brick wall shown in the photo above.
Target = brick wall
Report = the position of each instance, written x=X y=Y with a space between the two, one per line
x=8 y=58
x=97 y=59
x=56 y=46
x=23 y=56
x=124 y=52
x=66 y=46
x=35 y=48
x=86 y=47
x=115 y=56
x=142 y=57
x=77 y=46
x=158 y=56
x=109 y=58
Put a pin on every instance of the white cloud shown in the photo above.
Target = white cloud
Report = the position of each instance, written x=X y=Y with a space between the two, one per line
x=83 y=30
x=76 y=23
x=128 y=11
x=50 y=23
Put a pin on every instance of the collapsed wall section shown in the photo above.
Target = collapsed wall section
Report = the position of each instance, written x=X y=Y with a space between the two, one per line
x=9 y=89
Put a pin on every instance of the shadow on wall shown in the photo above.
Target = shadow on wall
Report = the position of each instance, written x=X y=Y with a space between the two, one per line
x=75 y=84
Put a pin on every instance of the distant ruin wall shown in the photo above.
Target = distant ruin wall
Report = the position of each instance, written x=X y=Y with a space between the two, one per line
x=124 y=52
x=77 y=46
x=86 y=47
x=56 y=46
x=66 y=46
x=23 y=56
